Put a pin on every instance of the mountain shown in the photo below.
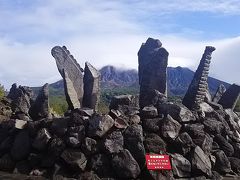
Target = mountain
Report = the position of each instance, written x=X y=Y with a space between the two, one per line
x=113 y=78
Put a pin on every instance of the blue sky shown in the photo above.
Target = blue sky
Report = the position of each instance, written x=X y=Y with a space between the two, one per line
x=111 y=32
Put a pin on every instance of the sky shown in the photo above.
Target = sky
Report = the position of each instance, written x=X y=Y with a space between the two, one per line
x=110 y=32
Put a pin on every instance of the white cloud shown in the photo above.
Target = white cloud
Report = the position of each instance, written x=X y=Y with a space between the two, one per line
x=102 y=32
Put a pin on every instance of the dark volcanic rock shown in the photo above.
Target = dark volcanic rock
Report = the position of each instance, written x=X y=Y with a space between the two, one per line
x=89 y=146
x=154 y=144
x=21 y=146
x=180 y=165
x=88 y=176
x=91 y=81
x=74 y=158
x=68 y=65
x=170 y=128
x=224 y=145
x=230 y=97
x=213 y=126
x=151 y=125
x=42 y=139
x=200 y=162
x=205 y=142
x=152 y=70
x=133 y=141
x=59 y=126
x=235 y=164
x=21 y=98
x=194 y=130
x=177 y=112
x=222 y=164
x=99 y=125
x=149 y=112
x=40 y=109
x=114 y=142
x=101 y=165
x=184 y=143
x=6 y=163
x=124 y=165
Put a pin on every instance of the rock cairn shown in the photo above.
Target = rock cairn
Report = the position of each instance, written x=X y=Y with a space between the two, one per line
x=84 y=144
x=197 y=90
x=82 y=87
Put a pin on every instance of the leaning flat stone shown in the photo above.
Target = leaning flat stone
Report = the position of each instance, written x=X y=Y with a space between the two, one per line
x=91 y=81
x=70 y=92
x=200 y=161
x=99 y=125
x=198 y=88
x=65 y=61
x=124 y=165
x=180 y=165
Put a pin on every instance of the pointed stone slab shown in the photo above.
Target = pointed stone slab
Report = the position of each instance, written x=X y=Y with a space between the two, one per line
x=41 y=109
x=220 y=91
x=70 y=93
x=230 y=97
x=91 y=81
x=152 y=70
x=197 y=90
x=65 y=61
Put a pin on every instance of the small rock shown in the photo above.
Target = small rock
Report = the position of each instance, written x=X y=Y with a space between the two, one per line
x=200 y=161
x=99 y=125
x=89 y=146
x=114 y=142
x=184 y=143
x=134 y=119
x=154 y=144
x=120 y=123
x=224 y=145
x=88 y=176
x=125 y=166
x=180 y=165
x=20 y=124
x=149 y=112
x=235 y=164
x=42 y=139
x=170 y=128
x=21 y=146
x=59 y=126
x=151 y=125
x=222 y=164
x=213 y=126
x=74 y=158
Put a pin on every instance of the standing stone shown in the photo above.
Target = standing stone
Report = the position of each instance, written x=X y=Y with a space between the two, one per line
x=198 y=88
x=91 y=81
x=70 y=93
x=21 y=98
x=40 y=109
x=152 y=70
x=230 y=97
x=65 y=61
x=220 y=91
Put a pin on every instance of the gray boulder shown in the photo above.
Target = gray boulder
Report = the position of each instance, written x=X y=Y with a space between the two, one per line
x=124 y=165
x=154 y=144
x=114 y=142
x=99 y=125
x=181 y=166
x=170 y=128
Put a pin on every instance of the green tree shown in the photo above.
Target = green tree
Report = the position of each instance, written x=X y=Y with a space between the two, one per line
x=2 y=91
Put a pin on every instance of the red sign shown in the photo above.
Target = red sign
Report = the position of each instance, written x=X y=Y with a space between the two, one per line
x=158 y=161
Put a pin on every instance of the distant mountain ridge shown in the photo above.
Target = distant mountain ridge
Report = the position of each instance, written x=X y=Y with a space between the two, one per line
x=179 y=79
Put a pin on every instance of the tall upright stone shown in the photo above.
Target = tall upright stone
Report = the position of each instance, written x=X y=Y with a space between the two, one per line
x=152 y=70
x=220 y=91
x=91 y=81
x=197 y=90
x=40 y=108
x=70 y=92
x=21 y=98
x=65 y=61
x=230 y=97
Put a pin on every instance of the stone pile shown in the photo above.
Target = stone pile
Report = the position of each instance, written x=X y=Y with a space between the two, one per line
x=202 y=138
